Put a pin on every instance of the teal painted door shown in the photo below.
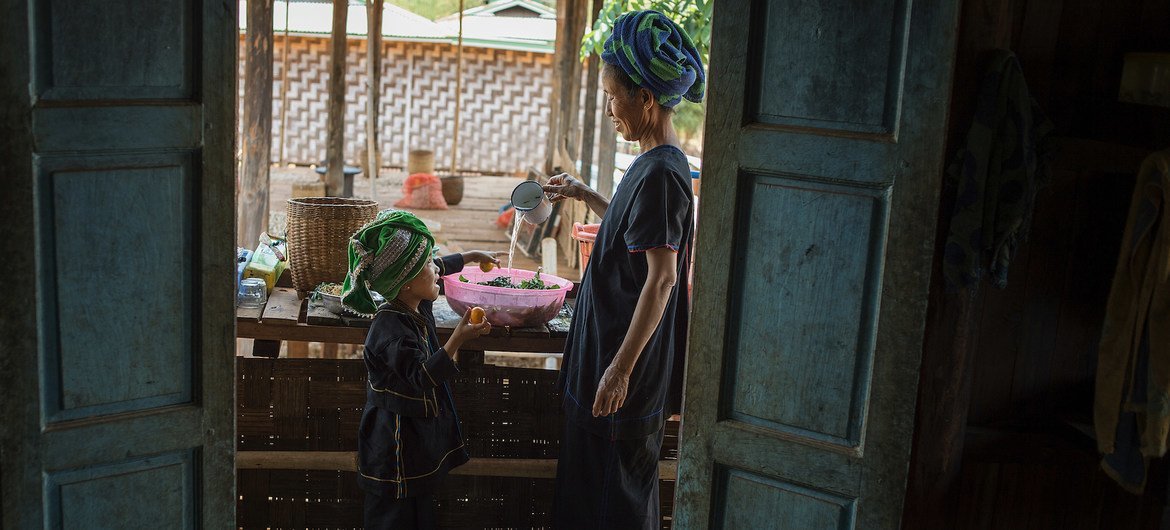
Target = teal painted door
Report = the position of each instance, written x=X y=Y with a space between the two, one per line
x=822 y=167
x=118 y=236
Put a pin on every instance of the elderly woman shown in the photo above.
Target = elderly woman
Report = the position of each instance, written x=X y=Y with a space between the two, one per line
x=623 y=364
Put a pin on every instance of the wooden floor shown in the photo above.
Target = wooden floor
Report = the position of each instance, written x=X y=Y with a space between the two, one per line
x=469 y=225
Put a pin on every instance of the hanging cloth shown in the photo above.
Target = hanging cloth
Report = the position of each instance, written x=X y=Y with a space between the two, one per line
x=1132 y=407
x=997 y=173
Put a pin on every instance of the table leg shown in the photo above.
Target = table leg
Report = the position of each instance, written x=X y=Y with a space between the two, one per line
x=266 y=348
x=298 y=349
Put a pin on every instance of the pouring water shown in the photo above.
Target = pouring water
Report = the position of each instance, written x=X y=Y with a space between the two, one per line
x=531 y=206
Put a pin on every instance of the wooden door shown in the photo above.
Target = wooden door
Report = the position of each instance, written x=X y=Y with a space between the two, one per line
x=822 y=167
x=118 y=235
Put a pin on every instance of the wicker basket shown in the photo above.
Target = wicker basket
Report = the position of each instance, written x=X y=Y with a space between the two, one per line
x=452 y=189
x=318 y=234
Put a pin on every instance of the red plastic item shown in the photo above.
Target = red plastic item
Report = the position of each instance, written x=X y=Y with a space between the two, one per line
x=505 y=219
x=585 y=236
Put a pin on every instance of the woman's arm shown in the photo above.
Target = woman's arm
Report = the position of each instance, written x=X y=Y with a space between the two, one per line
x=565 y=187
x=660 y=279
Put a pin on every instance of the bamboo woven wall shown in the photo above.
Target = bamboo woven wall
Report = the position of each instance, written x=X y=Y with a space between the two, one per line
x=316 y=404
x=504 y=115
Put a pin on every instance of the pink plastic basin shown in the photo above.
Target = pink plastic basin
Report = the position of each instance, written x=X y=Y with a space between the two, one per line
x=504 y=306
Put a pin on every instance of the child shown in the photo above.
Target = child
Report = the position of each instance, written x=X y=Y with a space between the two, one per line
x=409 y=436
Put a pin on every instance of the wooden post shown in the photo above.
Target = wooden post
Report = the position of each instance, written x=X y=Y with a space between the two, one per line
x=335 y=157
x=374 y=91
x=565 y=103
x=458 y=92
x=257 y=123
x=284 y=66
x=589 y=128
x=605 y=160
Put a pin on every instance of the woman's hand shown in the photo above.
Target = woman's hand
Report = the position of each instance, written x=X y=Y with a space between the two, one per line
x=465 y=331
x=611 y=391
x=481 y=256
x=563 y=187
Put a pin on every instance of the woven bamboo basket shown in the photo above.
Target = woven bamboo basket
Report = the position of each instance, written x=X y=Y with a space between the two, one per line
x=318 y=234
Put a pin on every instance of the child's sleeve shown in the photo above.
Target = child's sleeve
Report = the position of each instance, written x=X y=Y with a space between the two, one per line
x=450 y=264
x=412 y=364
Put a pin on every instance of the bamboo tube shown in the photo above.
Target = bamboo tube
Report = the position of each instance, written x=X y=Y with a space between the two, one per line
x=458 y=92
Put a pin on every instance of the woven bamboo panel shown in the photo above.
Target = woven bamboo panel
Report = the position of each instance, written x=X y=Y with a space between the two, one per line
x=505 y=99
x=316 y=404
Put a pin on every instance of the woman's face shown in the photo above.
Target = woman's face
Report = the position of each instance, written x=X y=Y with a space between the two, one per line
x=629 y=112
x=426 y=285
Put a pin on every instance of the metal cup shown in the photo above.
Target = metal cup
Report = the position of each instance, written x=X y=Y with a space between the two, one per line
x=530 y=202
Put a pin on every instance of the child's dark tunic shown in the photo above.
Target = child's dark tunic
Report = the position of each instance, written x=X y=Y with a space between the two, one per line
x=607 y=474
x=409 y=436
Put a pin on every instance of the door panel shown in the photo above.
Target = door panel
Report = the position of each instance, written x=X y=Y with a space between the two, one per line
x=146 y=288
x=81 y=498
x=838 y=65
x=823 y=160
x=818 y=313
x=118 y=385
x=747 y=498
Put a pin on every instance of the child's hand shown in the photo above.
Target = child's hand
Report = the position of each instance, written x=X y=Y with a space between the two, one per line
x=466 y=331
x=482 y=257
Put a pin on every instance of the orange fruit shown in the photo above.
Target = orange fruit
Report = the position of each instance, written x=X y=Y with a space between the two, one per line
x=477 y=315
x=486 y=266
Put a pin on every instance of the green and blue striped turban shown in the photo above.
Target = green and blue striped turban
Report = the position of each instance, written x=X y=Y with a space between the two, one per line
x=658 y=55
x=383 y=256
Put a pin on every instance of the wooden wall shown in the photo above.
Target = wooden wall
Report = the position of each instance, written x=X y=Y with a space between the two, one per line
x=1004 y=425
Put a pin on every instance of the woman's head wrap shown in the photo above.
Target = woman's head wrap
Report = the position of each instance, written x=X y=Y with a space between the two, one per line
x=658 y=55
x=383 y=256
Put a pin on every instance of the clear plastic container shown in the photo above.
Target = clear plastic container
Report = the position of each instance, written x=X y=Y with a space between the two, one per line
x=504 y=306
x=253 y=293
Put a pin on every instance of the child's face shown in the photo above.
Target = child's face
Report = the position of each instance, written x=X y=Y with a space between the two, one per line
x=426 y=285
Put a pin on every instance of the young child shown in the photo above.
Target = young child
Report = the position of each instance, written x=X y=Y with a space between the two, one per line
x=409 y=436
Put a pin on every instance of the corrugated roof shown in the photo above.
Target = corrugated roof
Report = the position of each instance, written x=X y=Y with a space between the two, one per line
x=496 y=6
x=535 y=34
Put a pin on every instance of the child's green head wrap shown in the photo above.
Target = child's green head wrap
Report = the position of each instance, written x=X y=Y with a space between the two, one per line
x=383 y=256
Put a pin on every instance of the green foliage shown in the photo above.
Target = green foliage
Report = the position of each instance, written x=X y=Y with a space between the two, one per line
x=694 y=16
x=688 y=119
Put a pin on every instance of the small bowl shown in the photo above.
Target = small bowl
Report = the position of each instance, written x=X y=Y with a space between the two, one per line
x=331 y=302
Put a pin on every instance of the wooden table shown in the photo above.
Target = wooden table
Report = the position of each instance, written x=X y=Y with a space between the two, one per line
x=286 y=317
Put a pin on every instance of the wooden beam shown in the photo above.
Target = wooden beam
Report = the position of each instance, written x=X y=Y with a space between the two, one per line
x=373 y=92
x=458 y=93
x=335 y=156
x=480 y=467
x=284 y=68
x=589 y=128
x=564 y=122
x=605 y=160
x=253 y=213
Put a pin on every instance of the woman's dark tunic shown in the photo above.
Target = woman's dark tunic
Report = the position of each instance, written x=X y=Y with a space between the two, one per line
x=652 y=208
x=607 y=473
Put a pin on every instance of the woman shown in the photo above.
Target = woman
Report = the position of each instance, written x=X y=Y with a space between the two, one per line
x=622 y=371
